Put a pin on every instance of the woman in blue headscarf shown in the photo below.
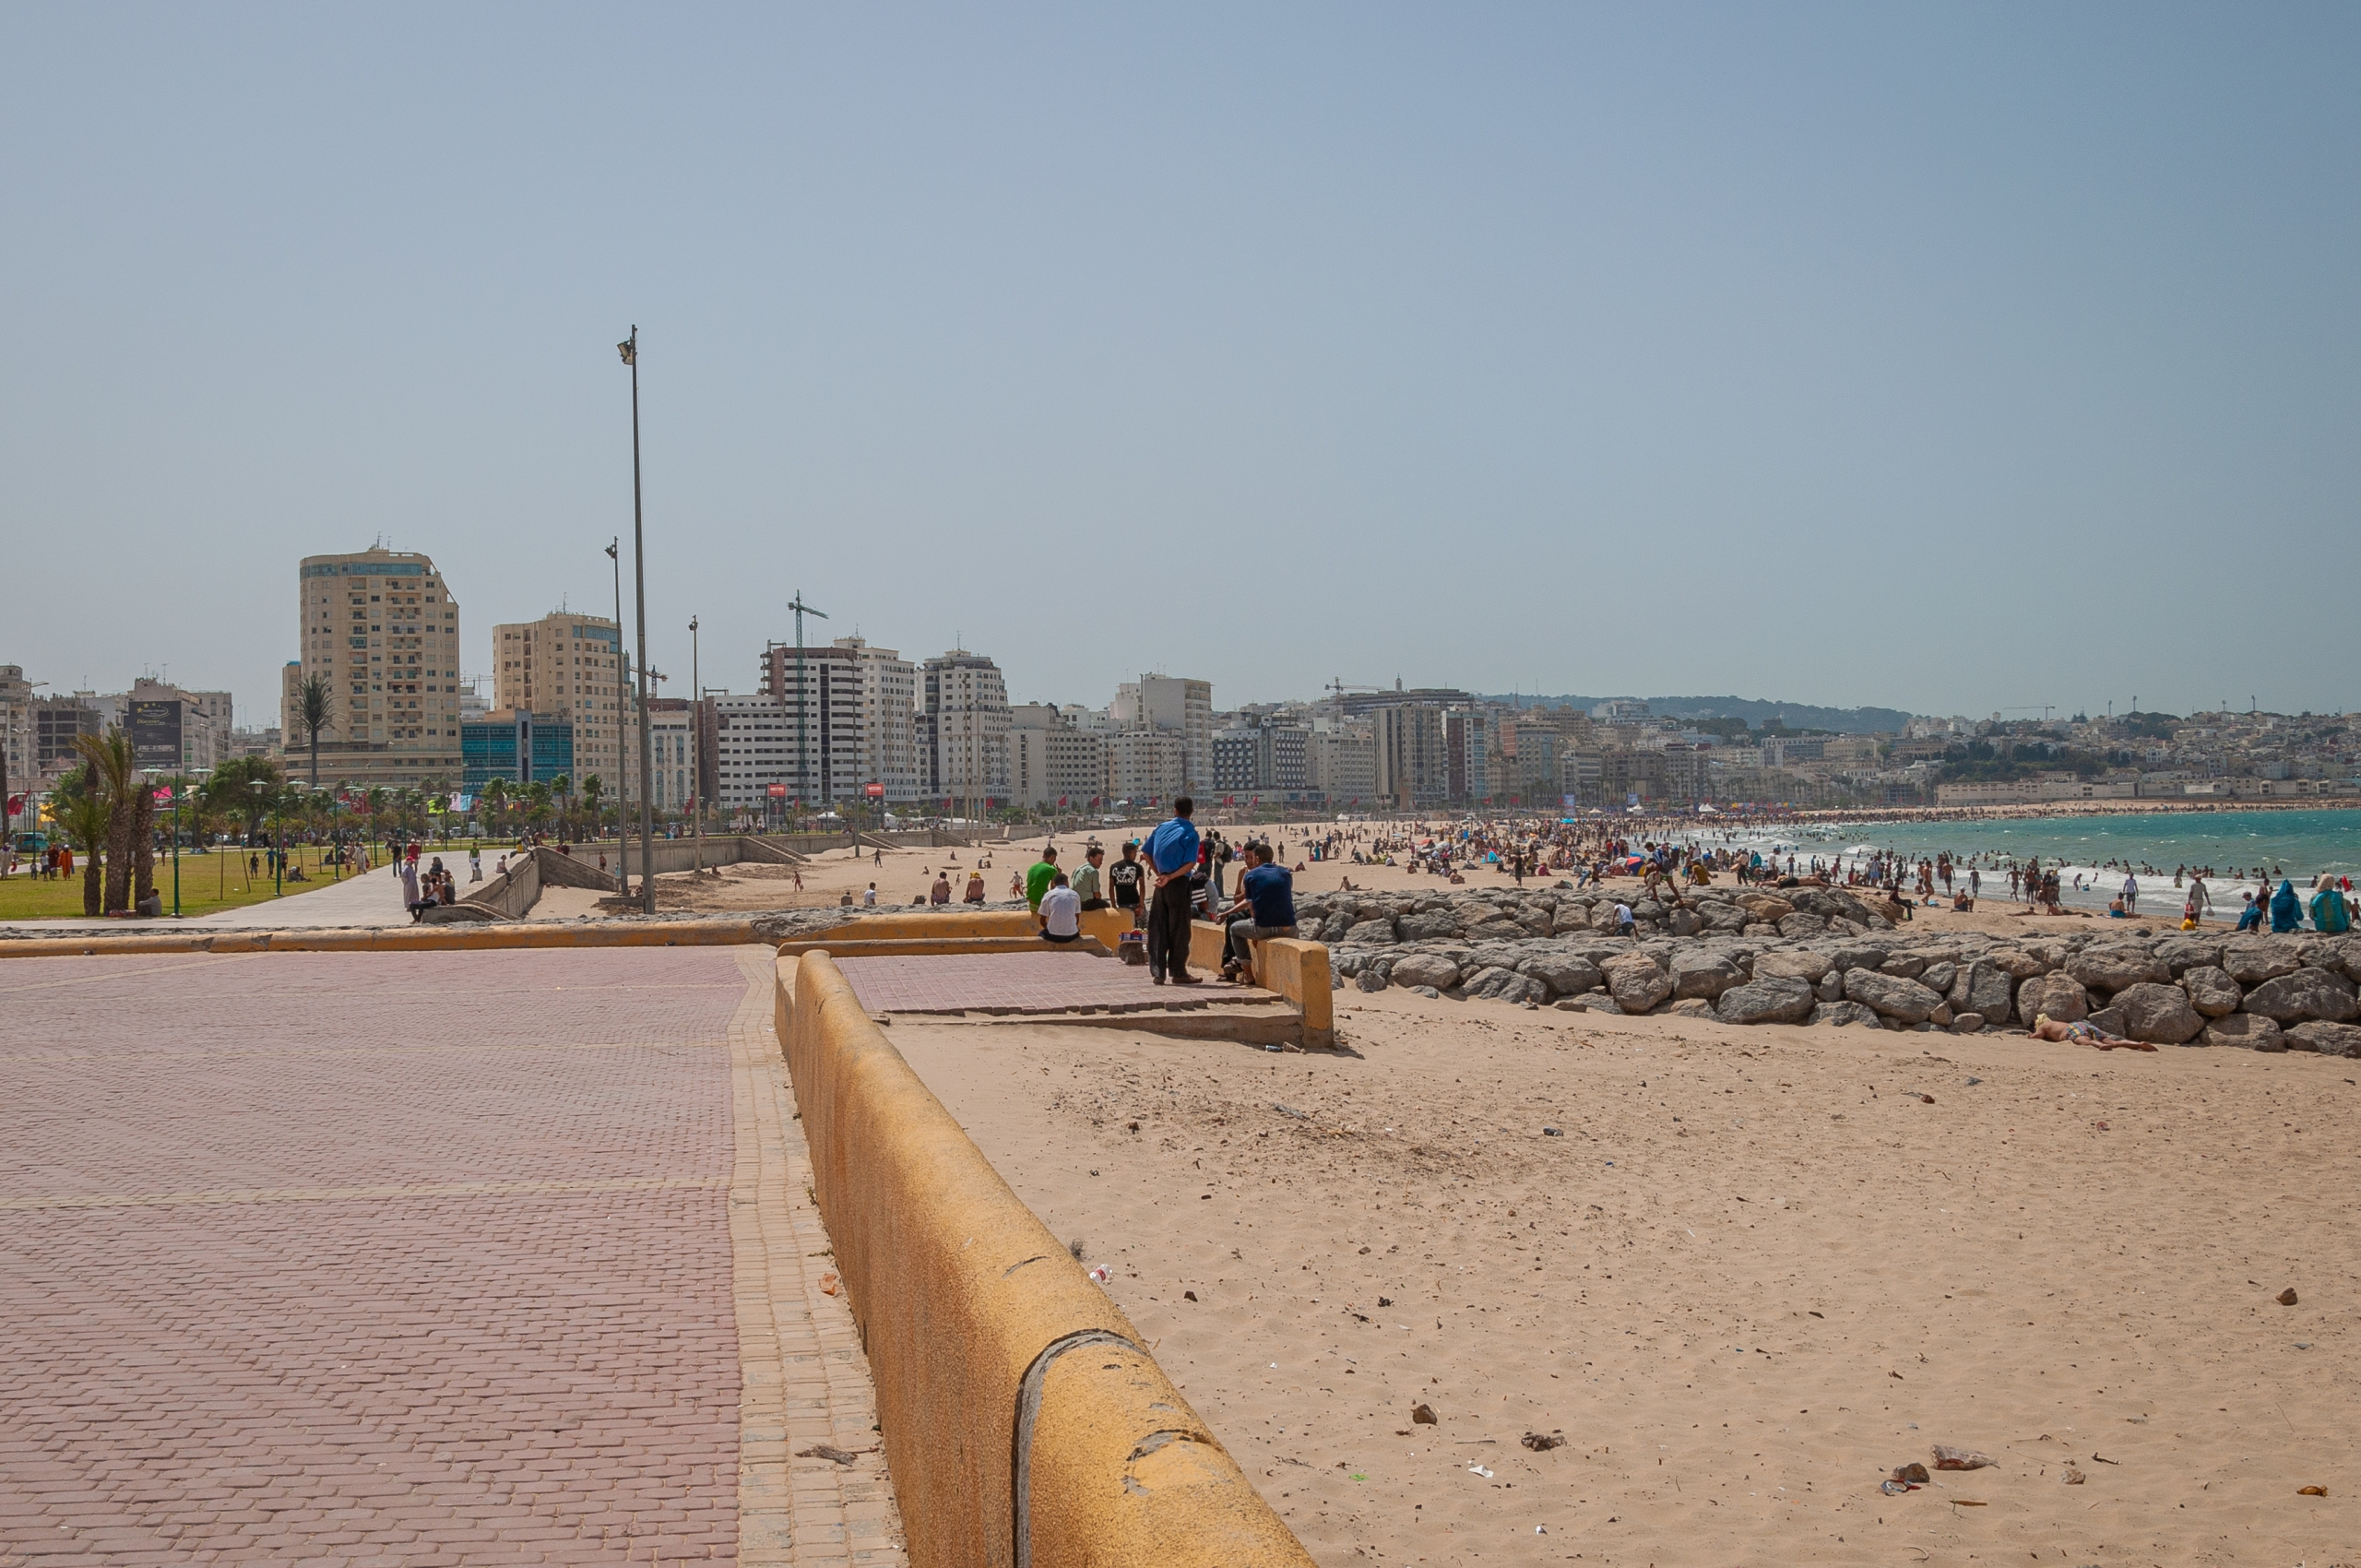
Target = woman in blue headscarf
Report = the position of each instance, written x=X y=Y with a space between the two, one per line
x=2286 y=909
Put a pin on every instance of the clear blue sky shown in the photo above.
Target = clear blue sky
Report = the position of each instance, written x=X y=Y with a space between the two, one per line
x=1943 y=358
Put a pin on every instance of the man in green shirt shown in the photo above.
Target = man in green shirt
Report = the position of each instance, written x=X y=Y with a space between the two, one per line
x=1085 y=880
x=1037 y=877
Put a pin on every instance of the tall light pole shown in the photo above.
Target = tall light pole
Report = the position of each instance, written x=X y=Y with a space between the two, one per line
x=622 y=705
x=630 y=349
x=696 y=745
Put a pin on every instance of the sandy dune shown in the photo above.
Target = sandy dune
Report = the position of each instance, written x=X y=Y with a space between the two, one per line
x=1755 y=1273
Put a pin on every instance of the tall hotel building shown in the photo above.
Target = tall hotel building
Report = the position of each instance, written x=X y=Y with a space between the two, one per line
x=382 y=629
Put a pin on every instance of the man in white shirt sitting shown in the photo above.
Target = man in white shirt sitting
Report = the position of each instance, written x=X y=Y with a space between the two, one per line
x=1060 y=912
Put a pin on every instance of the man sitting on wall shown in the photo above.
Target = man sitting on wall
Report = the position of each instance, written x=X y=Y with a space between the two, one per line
x=1265 y=909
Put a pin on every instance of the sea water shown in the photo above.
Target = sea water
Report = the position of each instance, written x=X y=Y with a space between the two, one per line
x=2298 y=845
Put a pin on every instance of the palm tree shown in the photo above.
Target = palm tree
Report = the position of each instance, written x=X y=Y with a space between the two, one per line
x=562 y=792
x=79 y=805
x=114 y=778
x=495 y=802
x=537 y=803
x=594 y=789
x=315 y=710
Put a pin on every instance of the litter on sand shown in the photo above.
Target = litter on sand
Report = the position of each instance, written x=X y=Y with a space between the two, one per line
x=1949 y=1458
x=1542 y=1441
x=1913 y=1471
x=1480 y=1470
x=2311 y=1491
x=1102 y=1274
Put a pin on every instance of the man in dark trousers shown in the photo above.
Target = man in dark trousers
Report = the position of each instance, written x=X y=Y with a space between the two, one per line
x=1172 y=861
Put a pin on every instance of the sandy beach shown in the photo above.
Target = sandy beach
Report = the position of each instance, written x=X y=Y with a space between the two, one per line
x=1754 y=1271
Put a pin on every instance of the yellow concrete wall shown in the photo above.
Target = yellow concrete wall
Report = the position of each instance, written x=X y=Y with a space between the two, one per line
x=1297 y=970
x=959 y=1291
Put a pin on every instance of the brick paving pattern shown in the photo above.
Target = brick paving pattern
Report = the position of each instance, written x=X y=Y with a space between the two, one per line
x=409 y=1259
x=1026 y=982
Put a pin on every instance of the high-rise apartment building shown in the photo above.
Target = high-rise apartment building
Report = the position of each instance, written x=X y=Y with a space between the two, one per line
x=1052 y=765
x=963 y=731
x=568 y=666
x=1412 y=766
x=818 y=693
x=1172 y=705
x=1340 y=763
x=889 y=697
x=381 y=629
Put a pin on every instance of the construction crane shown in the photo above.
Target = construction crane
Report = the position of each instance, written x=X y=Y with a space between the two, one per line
x=1336 y=685
x=803 y=694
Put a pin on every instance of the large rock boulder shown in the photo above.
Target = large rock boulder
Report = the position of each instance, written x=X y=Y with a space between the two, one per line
x=2329 y=1040
x=1371 y=978
x=2158 y=1012
x=2211 y=990
x=1369 y=933
x=1892 y=996
x=1723 y=917
x=2016 y=963
x=2250 y=1031
x=2182 y=953
x=1764 y=908
x=1504 y=985
x=1984 y=988
x=1497 y=928
x=1425 y=969
x=1841 y=1013
x=1903 y=966
x=1434 y=925
x=1685 y=922
x=2112 y=968
x=1703 y=974
x=2254 y=960
x=2304 y=994
x=2057 y=993
x=1791 y=963
x=1564 y=973
x=1775 y=999
x=1937 y=975
x=1636 y=983
x=1602 y=917
x=1799 y=925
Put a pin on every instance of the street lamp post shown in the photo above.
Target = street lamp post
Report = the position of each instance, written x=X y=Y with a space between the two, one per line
x=622 y=705
x=630 y=347
x=179 y=789
x=696 y=745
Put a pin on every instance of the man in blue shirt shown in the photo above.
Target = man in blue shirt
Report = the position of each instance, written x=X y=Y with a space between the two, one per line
x=1265 y=909
x=1173 y=858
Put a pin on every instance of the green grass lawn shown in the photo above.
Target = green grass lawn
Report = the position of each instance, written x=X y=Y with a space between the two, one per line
x=208 y=882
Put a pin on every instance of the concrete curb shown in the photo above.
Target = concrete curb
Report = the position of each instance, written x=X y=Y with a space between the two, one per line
x=1022 y=1423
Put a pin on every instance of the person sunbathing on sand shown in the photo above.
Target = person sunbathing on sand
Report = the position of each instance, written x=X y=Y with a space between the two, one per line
x=2049 y=1028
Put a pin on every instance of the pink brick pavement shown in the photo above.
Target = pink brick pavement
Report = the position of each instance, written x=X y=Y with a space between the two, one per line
x=223 y=1340
x=1025 y=981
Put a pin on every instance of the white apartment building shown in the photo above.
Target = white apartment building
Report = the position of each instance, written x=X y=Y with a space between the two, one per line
x=671 y=724
x=1342 y=764
x=963 y=731
x=889 y=697
x=1172 y=705
x=1145 y=764
x=819 y=690
x=1052 y=766
x=382 y=629
x=569 y=666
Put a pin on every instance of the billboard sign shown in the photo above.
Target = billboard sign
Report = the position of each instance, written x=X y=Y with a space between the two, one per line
x=875 y=791
x=156 y=732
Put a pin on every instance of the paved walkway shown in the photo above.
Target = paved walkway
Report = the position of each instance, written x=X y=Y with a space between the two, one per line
x=448 y=1258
